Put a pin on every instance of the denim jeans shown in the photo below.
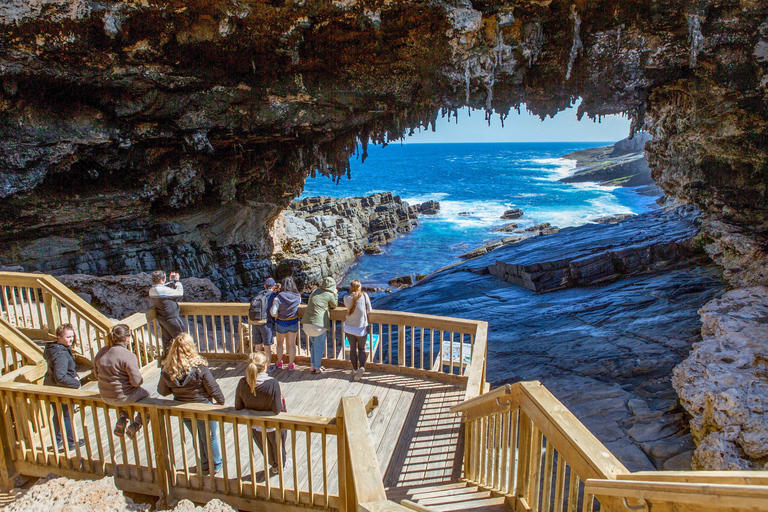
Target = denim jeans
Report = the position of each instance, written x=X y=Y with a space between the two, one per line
x=316 y=349
x=67 y=424
x=203 y=441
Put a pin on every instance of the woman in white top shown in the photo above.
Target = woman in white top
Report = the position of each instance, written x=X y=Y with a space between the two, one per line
x=358 y=306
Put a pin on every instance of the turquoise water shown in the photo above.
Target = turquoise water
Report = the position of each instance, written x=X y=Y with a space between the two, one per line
x=479 y=180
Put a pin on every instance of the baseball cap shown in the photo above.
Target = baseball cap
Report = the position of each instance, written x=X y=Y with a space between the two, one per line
x=269 y=282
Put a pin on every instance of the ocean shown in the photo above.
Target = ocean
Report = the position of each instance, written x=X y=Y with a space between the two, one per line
x=474 y=183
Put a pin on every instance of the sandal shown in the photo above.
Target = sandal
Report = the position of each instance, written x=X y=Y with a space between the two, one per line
x=122 y=421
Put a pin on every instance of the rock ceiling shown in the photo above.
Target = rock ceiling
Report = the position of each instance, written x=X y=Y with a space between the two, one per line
x=196 y=121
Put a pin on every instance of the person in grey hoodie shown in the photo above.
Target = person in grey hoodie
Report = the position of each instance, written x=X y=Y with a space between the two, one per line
x=63 y=373
x=317 y=320
x=120 y=380
x=186 y=375
x=285 y=311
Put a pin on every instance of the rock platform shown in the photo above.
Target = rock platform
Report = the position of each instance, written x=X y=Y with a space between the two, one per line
x=606 y=352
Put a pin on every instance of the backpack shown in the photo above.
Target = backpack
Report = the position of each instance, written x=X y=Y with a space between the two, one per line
x=258 y=309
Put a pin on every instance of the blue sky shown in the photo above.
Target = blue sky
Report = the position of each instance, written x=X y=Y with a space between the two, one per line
x=472 y=127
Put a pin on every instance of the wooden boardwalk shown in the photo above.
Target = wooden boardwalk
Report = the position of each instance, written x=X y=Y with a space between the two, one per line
x=415 y=436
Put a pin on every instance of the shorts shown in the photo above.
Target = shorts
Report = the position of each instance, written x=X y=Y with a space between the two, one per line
x=284 y=329
x=262 y=334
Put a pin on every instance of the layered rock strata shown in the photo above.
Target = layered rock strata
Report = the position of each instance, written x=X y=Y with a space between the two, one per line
x=623 y=164
x=146 y=123
x=606 y=352
x=519 y=236
x=321 y=236
x=595 y=253
x=723 y=384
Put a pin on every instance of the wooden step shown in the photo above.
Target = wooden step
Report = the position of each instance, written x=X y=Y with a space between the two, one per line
x=453 y=497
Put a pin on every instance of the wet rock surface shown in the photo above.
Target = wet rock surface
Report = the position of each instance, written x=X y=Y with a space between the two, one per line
x=723 y=384
x=322 y=236
x=623 y=164
x=606 y=352
x=593 y=253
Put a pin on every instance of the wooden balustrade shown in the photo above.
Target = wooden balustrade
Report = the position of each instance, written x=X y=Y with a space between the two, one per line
x=523 y=443
x=146 y=338
x=159 y=460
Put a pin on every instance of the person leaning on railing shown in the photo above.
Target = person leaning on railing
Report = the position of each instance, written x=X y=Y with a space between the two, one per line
x=165 y=298
x=258 y=391
x=62 y=372
x=357 y=326
x=186 y=375
x=120 y=380
x=316 y=321
x=285 y=310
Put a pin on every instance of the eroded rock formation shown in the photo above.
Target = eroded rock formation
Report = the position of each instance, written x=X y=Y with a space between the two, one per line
x=137 y=135
x=321 y=236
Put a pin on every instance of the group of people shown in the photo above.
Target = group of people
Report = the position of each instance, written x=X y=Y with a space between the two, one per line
x=185 y=374
x=274 y=319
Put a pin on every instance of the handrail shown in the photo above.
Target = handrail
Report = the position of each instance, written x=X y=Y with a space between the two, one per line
x=477 y=365
x=20 y=343
x=65 y=295
x=730 y=497
x=492 y=396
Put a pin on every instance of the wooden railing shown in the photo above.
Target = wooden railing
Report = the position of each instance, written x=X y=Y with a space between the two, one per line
x=158 y=461
x=521 y=442
x=16 y=349
x=36 y=304
x=420 y=345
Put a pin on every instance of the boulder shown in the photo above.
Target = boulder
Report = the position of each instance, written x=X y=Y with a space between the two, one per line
x=613 y=219
x=402 y=281
x=506 y=228
x=514 y=213
x=429 y=208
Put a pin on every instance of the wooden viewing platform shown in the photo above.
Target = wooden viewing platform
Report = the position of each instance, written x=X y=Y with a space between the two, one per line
x=438 y=440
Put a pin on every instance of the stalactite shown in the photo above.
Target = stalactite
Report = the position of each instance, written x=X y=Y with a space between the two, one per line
x=576 y=45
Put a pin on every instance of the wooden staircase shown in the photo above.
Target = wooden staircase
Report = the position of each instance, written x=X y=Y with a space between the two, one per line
x=451 y=497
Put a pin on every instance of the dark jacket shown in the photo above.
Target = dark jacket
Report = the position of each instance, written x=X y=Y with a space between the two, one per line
x=266 y=395
x=61 y=366
x=165 y=298
x=289 y=305
x=196 y=386
x=117 y=370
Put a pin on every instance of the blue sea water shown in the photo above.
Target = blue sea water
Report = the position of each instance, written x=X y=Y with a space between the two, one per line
x=481 y=180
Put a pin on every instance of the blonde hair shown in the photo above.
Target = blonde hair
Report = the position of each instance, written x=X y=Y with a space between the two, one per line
x=257 y=361
x=182 y=357
x=356 y=290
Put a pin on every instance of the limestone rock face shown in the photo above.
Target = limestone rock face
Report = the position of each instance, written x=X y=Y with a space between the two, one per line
x=120 y=296
x=622 y=164
x=723 y=384
x=143 y=134
x=322 y=236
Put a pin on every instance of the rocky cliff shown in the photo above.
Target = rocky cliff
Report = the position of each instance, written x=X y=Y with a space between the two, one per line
x=321 y=236
x=623 y=164
x=142 y=134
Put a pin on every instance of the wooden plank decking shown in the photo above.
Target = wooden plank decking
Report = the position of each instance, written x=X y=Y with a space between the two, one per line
x=415 y=437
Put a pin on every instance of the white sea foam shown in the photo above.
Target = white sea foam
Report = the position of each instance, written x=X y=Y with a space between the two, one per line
x=437 y=196
x=557 y=168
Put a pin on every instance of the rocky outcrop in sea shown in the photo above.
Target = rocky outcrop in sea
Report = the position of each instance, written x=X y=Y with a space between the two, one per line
x=606 y=351
x=623 y=164
x=321 y=236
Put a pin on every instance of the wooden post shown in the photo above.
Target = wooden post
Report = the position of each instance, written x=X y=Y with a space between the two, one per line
x=52 y=312
x=343 y=467
x=401 y=345
x=162 y=456
x=524 y=456
x=7 y=469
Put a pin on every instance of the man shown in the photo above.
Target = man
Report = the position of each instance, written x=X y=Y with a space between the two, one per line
x=165 y=298
x=262 y=323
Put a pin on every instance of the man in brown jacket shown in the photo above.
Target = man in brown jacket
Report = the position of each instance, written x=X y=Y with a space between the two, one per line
x=120 y=380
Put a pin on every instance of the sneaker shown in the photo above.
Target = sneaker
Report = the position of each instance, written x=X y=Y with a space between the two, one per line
x=272 y=368
x=120 y=426
x=279 y=365
x=291 y=367
x=132 y=430
x=321 y=369
x=287 y=465
x=359 y=374
x=80 y=442
x=273 y=471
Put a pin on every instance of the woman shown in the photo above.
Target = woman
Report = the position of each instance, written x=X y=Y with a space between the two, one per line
x=358 y=306
x=257 y=391
x=186 y=375
x=120 y=380
x=285 y=310
x=62 y=372
x=317 y=320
